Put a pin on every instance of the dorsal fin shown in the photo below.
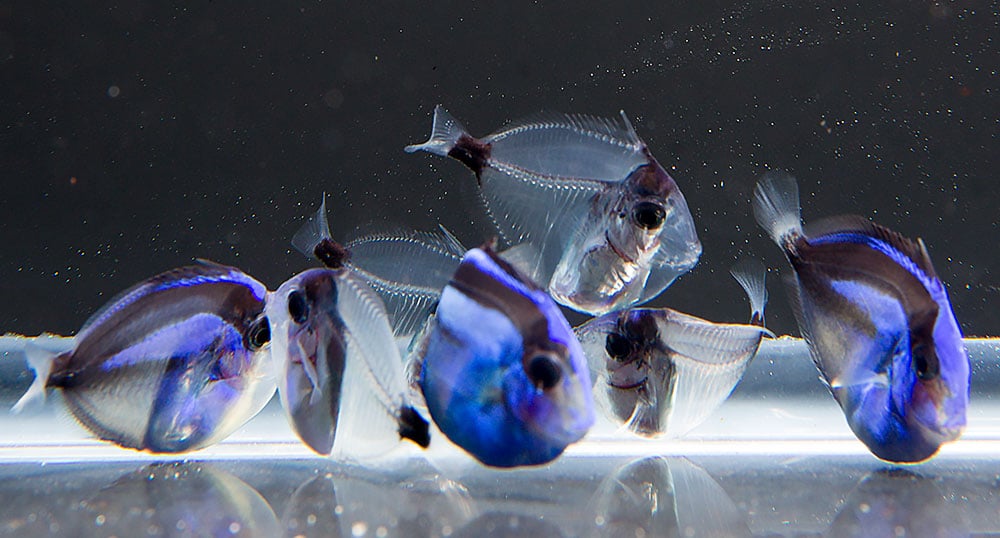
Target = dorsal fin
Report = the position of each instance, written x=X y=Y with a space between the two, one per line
x=201 y=272
x=608 y=130
x=914 y=250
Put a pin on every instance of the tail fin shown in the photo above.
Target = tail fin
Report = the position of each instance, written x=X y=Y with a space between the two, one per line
x=314 y=240
x=445 y=133
x=751 y=274
x=776 y=206
x=313 y=232
x=40 y=360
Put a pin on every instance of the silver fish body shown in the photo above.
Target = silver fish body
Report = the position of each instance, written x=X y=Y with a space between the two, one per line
x=659 y=372
x=173 y=364
x=340 y=375
x=604 y=226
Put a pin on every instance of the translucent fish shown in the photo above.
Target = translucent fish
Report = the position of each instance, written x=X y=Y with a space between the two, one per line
x=340 y=374
x=878 y=323
x=607 y=227
x=657 y=496
x=173 y=364
x=501 y=371
x=661 y=372
x=178 y=499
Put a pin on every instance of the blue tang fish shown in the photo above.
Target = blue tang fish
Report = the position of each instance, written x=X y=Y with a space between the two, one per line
x=592 y=215
x=500 y=369
x=660 y=372
x=878 y=324
x=340 y=373
x=173 y=364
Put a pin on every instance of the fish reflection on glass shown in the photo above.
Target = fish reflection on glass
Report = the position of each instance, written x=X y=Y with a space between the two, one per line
x=338 y=366
x=659 y=496
x=896 y=502
x=878 y=323
x=661 y=372
x=312 y=510
x=173 y=364
x=177 y=499
x=501 y=371
x=593 y=215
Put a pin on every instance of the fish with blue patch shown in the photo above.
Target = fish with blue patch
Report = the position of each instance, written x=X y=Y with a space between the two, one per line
x=500 y=370
x=173 y=364
x=878 y=323
x=585 y=207
x=340 y=375
x=659 y=372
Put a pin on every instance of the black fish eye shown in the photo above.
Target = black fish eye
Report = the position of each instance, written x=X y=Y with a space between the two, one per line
x=922 y=363
x=649 y=215
x=298 y=308
x=544 y=371
x=259 y=333
x=617 y=346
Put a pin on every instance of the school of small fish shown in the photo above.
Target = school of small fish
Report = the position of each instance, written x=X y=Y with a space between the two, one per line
x=469 y=347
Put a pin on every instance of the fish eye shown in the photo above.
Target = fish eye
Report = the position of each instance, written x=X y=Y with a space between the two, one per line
x=617 y=346
x=544 y=371
x=298 y=308
x=649 y=215
x=259 y=333
x=922 y=363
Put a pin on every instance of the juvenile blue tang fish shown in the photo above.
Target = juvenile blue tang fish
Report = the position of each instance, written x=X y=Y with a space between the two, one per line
x=660 y=372
x=338 y=366
x=172 y=364
x=594 y=216
x=878 y=324
x=500 y=369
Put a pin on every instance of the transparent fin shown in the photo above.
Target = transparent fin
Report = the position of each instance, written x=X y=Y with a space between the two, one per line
x=776 y=206
x=40 y=359
x=374 y=389
x=445 y=132
x=752 y=275
x=316 y=229
x=524 y=258
x=410 y=288
x=569 y=146
x=544 y=214
x=710 y=359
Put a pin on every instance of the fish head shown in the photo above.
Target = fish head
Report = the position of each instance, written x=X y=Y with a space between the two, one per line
x=502 y=373
x=939 y=364
x=639 y=372
x=545 y=391
x=309 y=352
x=658 y=215
x=628 y=348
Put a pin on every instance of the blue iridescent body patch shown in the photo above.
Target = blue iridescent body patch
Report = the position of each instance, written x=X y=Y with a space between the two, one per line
x=173 y=364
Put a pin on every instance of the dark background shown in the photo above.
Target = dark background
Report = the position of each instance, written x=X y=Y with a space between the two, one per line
x=137 y=137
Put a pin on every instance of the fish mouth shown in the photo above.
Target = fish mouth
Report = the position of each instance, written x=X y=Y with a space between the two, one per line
x=561 y=414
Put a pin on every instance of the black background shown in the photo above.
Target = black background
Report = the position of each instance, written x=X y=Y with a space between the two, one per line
x=137 y=137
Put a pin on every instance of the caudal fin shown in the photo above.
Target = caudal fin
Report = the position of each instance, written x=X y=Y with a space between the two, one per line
x=40 y=360
x=314 y=240
x=751 y=274
x=776 y=206
x=445 y=133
